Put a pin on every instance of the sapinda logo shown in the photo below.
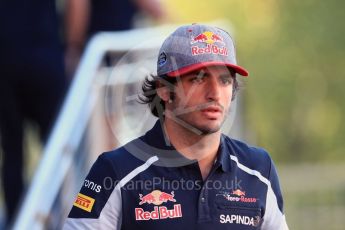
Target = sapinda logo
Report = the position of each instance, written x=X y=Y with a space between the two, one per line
x=239 y=219
x=158 y=197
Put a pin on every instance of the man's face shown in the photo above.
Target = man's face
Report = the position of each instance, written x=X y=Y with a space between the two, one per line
x=202 y=98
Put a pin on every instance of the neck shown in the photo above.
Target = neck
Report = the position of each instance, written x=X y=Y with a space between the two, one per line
x=192 y=145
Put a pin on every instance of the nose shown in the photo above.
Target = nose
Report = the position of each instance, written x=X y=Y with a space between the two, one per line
x=213 y=90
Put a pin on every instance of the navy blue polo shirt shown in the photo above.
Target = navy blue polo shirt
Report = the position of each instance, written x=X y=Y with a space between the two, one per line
x=147 y=184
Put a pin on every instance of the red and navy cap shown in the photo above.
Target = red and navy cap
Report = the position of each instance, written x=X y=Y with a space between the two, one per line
x=196 y=46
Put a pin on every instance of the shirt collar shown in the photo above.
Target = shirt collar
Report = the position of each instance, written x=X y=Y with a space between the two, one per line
x=157 y=137
x=172 y=159
x=161 y=147
x=223 y=156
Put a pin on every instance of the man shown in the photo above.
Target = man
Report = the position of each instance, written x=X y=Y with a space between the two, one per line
x=183 y=173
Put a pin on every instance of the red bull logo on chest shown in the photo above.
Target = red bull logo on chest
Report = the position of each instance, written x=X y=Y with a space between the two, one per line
x=156 y=198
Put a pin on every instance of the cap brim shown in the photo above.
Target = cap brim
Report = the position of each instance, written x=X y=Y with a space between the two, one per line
x=238 y=69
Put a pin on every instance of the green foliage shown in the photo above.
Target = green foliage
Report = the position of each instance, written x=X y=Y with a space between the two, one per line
x=294 y=51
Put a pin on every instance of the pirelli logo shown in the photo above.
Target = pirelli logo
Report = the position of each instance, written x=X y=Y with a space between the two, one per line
x=84 y=202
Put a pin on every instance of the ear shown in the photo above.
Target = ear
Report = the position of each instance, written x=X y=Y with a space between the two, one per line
x=163 y=92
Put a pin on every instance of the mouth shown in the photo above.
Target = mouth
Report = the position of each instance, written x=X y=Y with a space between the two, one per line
x=209 y=107
x=212 y=112
x=212 y=109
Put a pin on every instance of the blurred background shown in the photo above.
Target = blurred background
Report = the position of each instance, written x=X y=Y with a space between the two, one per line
x=292 y=104
x=294 y=97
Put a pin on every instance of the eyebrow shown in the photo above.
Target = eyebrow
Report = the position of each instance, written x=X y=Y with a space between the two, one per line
x=198 y=73
x=205 y=73
x=226 y=75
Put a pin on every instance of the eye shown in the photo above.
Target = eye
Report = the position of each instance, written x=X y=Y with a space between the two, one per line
x=226 y=80
x=197 y=80
x=198 y=77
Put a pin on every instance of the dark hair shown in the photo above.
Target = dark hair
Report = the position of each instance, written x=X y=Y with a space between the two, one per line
x=155 y=103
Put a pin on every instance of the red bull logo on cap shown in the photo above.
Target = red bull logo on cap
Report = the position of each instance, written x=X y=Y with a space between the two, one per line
x=207 y=37
x=158 y=197
x=212 y=41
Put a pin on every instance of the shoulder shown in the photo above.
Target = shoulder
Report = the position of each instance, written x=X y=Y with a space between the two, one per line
x=126 y=158
x=252 y=157
x=257 y=162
